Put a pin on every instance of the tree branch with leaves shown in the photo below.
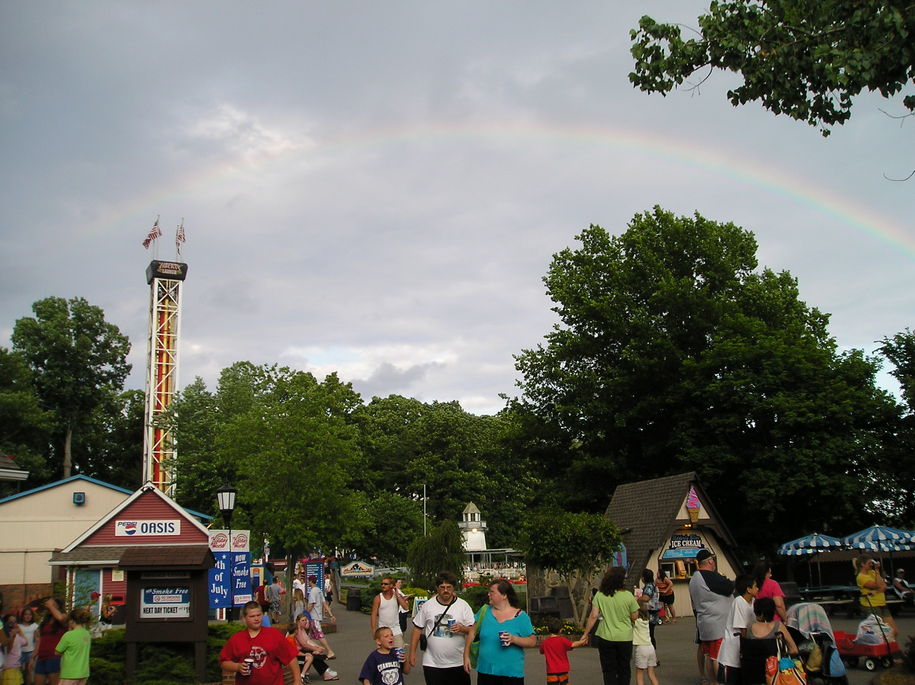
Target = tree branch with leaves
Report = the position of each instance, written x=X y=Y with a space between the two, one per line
x=575 y=546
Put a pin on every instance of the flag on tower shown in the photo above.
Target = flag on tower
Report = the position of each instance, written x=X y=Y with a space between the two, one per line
x=179 y=238
x=154 y=233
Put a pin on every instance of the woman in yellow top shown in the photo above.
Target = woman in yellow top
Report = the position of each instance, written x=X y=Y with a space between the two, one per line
x=873 y=590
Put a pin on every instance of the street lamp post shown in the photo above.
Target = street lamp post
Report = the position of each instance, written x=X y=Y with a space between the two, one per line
x=225 y=496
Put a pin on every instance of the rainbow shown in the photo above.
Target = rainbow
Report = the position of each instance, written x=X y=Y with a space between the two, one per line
x=140 y=210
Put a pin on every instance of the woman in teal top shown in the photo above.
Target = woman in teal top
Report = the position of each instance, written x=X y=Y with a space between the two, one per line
x=614 y=634
x=501 y=663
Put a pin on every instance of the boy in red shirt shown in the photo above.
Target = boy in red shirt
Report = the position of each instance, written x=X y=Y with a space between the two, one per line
x=556 y=649
x=257 y=654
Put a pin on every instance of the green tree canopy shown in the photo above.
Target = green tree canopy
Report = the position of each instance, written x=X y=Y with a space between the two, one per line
x=892 y=474
x=441 y=550
x=575 y=546
x=78 y=362
x=392 y=522
x=675 y=353
x=804 y=59
x=111 y=446
x=24 y=426
x=286 y=441
x=460 y=457
x=900 y=350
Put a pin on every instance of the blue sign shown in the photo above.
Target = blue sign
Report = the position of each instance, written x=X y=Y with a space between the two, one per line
x=218 y=581
x=315 y=568
x=229 y=581
x=241 y=577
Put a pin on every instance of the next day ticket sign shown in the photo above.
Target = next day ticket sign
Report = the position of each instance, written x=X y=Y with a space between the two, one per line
x=165 y=602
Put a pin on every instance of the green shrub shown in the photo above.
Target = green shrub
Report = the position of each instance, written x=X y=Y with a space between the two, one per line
x=157 y=663
x=166 y=664
x=476 y=596
x=106 y=672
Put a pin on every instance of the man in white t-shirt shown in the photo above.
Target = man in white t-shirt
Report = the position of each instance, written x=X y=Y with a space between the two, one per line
x=317 y=605
x=446 y=620
x=739 y=620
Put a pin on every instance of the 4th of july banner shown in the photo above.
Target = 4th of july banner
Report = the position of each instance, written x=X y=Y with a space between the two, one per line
x=229 y=581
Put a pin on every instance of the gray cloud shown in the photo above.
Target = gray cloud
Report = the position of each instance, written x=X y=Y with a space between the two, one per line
x=377 y=189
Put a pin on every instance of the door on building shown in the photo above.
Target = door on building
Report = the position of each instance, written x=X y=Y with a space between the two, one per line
x=85 y=582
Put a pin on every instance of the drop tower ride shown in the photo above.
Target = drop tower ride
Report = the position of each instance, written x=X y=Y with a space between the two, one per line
x=164 y=280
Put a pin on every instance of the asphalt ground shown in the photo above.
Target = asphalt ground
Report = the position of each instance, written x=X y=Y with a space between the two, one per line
x=676 y=651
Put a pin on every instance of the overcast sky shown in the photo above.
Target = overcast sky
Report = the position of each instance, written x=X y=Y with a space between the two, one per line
x=377 y=188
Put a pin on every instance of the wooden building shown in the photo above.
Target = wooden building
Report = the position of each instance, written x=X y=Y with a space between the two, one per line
x=665 y=522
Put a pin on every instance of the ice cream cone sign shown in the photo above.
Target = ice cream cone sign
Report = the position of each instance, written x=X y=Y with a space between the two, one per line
x=693 y=505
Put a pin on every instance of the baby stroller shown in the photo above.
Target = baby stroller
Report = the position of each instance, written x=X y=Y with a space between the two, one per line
x=816 y=642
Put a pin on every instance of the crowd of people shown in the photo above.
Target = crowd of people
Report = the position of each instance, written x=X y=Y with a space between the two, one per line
x=41 y=644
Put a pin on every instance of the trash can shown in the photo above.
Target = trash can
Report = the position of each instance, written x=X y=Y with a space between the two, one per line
x=354 y=600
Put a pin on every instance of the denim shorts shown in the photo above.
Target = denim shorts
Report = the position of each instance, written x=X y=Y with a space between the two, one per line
x=47 y=666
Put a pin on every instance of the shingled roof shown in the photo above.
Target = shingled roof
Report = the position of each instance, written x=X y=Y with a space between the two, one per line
x=647 y=513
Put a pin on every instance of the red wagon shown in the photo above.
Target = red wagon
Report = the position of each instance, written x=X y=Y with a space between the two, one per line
x=850 y=651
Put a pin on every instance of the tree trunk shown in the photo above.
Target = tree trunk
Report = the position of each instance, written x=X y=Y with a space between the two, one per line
x=578 y=596
x=68 y=457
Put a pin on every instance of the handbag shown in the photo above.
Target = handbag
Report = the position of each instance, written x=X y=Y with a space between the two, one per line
x=789 y=673
x=475 y=645
x=423 y=638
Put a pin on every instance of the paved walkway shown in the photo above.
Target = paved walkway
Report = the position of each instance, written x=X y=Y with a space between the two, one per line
x=676 y=652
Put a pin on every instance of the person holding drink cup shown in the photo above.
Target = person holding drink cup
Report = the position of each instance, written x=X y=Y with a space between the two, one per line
x=386 y=665
x=258 y=653
x=505 y=630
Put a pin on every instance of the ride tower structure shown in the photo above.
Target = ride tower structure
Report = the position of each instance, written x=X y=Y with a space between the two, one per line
x=165 y=280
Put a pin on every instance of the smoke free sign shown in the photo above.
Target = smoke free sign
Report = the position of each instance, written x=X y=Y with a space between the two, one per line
x=165 y=602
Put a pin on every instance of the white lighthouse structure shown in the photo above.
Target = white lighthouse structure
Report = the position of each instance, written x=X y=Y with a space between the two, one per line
x=473 y=528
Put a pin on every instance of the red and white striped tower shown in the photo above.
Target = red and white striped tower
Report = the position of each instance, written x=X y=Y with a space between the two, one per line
x=164 y=279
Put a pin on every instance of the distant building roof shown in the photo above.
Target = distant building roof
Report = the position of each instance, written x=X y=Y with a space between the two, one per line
x=56 y=483
x=9 y=470
x=89 y=479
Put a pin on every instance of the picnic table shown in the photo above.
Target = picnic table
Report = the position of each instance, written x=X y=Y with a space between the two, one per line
x=833 y=597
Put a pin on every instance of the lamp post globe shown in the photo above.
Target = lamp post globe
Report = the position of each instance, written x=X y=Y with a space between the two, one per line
x=225 y=497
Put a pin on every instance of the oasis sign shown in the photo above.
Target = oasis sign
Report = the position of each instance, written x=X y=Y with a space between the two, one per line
x=143 y=528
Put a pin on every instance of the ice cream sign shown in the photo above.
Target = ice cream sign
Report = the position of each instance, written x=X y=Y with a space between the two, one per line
x=146 y=528
x=165 y=602
x=693 y=505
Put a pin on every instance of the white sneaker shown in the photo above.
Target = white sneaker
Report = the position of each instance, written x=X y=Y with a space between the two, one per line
x=331 y=675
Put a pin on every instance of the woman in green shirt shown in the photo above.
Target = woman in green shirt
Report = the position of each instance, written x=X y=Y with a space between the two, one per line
x=618 y=609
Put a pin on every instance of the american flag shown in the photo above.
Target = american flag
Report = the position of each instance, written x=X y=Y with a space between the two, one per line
x=154 y=233
x=179 y=238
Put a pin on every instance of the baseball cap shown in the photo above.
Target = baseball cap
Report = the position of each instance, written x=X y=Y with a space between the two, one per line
x=703 y=554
